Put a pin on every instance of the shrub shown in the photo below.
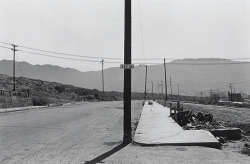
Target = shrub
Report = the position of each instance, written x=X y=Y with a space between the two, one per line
x=90 y=97
x=97 y=96
x=60 y=88
x=39 y=101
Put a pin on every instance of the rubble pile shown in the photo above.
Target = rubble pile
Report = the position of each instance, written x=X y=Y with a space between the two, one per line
x=190 y=121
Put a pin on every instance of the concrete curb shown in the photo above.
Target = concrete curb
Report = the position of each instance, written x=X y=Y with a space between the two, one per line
x=8 y=110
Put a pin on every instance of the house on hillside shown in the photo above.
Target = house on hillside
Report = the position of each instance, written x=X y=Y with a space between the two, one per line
x=234 y=97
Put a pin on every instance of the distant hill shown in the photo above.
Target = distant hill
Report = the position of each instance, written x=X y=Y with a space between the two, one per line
x=192 y=75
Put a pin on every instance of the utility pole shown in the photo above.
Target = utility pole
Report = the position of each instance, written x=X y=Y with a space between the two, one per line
x=166 y=87
x=178 y=90
x=152 y=88
x=231 y=93
x=14 y=67
x=102 y=78
x=211 y=94
x=201 y=97
x=145 y=83
x=127 y=136
x=218 y=94
x=171 y=87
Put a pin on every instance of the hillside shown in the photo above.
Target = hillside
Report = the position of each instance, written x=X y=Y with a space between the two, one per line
x=192 y=76
x=44 y=92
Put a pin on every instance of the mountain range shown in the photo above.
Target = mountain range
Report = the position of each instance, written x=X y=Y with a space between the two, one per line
x=193 y=76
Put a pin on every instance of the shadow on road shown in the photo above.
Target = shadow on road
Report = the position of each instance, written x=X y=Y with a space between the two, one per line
x=100 y=158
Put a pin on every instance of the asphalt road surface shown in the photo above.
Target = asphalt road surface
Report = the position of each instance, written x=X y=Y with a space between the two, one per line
x=60 y=134
x=88 y=133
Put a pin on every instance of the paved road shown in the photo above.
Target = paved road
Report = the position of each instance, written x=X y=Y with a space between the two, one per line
x=88 y=133
x=60 y=134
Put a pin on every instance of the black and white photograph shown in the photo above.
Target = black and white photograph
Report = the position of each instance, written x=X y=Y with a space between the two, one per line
x=124 y=81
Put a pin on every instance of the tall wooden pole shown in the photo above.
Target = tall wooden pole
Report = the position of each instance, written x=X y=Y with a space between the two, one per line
x=145 y=90
x=153 y=90
x=102 y=78
x=178 y=90
x=166 y=87
x=201 y=97
x=231 y=94
x=171 y=87
x=127 y=136
x=14 y=68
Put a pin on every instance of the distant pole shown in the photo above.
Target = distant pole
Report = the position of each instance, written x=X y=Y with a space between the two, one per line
x=127 y=136
x=102 y=78
x=231 y=93
x=145 y=83
x=211 y=94
x=152 y=89
x=171 y=87
x=201 y=97
x=14 y=67
x=218 y=94
x=166 y=87
x=178 y=90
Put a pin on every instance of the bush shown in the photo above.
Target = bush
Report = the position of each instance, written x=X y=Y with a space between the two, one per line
x=39 y=101
x=60 y=88
x=97 y=96
x=90 y=97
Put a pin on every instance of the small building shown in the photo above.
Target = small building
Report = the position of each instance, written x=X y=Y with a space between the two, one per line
x=234 y=97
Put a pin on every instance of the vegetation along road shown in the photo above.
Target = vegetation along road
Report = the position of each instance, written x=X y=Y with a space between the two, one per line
x=89 y=132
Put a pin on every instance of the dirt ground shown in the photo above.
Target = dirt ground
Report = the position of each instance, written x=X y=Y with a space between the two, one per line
x=228 y=117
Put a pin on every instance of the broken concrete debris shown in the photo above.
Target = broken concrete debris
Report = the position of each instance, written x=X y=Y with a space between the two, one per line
x=188 y=120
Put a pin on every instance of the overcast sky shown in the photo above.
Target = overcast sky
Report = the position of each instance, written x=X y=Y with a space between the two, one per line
x=160 y=28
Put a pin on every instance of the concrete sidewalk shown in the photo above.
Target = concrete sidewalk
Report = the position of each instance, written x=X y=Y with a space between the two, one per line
x=156 y=127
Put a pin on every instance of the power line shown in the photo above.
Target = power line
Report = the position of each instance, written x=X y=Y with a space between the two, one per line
x=57 y=56
x=5 y=43
x=111 y=58
x=74 y=55
x=94 y=57
x=60 y=53
x=6 y=47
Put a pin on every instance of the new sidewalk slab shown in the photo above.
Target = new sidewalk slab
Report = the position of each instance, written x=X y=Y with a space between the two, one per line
x=156 y=127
